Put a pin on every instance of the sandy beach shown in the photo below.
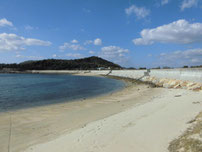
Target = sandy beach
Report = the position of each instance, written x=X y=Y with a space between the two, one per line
x=137 y=118
x=27 y=127
x=146 y=127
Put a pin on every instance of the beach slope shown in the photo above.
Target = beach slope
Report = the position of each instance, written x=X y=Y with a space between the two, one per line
x=146 y=127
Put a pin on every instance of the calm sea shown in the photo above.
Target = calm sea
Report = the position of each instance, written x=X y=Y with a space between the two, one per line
x=26 y=90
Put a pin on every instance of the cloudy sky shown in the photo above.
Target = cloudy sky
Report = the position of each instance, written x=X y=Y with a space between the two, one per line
x=133 y=33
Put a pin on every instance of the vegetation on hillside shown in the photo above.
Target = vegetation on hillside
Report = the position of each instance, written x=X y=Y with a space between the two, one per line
x=89 y=63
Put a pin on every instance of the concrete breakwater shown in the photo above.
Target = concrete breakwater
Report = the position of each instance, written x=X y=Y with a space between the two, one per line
x=169 y=78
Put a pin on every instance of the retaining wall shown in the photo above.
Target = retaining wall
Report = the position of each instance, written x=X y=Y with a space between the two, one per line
x=194 y=75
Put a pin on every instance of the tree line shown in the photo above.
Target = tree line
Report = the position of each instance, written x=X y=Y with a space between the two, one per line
x=90 y=63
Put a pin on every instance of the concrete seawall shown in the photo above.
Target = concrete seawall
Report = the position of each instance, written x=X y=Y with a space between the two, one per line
x=169 y=78
x=193 y=75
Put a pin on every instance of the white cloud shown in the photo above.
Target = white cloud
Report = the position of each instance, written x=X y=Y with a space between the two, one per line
x=29 y=57
x=54 y=55
x=164 y=2
x=13 y=42
x=68 y=55
x=28 y=27
x=88 y=42
x=188 y=4
x=75 y=47
x=140 y=12
x=98 y=41
x=91 y=52
x=181 y=58
x=74 y=55
x=180 y=32
x=74 y=41
x=114 y=53
x=5 y=22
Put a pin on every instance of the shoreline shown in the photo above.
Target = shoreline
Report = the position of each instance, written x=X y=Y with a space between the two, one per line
x=64 y=101
x=41 y=124
x=135 y=117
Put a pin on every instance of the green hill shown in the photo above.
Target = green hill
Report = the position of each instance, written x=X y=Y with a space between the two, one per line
x=89 y=63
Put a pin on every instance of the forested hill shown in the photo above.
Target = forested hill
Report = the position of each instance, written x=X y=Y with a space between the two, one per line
x=89 y=63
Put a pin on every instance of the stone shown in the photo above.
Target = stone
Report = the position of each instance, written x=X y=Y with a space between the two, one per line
x=190 y=84
x=177 y=86
x=173 y=83
x=183 y=84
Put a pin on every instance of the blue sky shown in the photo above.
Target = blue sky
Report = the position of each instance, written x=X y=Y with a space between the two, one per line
x=132 y=33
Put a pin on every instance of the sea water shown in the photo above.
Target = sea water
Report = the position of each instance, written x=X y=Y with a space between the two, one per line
x=27 y=90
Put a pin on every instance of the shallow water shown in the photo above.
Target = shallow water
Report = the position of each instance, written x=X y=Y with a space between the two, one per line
x=26 y=90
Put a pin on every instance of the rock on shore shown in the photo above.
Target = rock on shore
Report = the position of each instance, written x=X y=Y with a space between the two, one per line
x=173 y=83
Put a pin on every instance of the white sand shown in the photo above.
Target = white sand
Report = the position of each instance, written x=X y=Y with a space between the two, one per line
x=35 y=125
x=148 y=127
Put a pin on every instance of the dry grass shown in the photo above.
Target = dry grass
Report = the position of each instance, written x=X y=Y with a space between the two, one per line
x=191 y=139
